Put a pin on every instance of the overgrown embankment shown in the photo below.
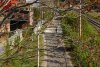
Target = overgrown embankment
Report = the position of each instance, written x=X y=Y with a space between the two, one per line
x=22 y=52
x=85 y=51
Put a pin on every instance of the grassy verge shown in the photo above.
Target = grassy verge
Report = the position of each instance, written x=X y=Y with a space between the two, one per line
x=96 y=15
x=41 y=49
x=84 y=51
x=23 y=53
x=3 y=37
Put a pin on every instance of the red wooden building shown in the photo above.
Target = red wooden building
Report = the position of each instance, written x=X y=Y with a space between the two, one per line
x=7 y=4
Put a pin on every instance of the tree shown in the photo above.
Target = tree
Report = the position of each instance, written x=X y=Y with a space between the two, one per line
x=20 y=53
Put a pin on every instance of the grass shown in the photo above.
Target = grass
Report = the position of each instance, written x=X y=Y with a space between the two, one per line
x=70 y=24
x=3 y=37
x=41 y=49
x=94 y=14
x=85 y=52
x=48 y=15
x=37 y=14
x=45 y=14
x=88 y=29
x=22 y=53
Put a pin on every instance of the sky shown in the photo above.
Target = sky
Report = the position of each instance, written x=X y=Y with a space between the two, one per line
x=35 y=4
x=29 y=1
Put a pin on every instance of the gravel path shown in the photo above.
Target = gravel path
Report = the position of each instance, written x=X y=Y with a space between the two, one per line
x=55 y=54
